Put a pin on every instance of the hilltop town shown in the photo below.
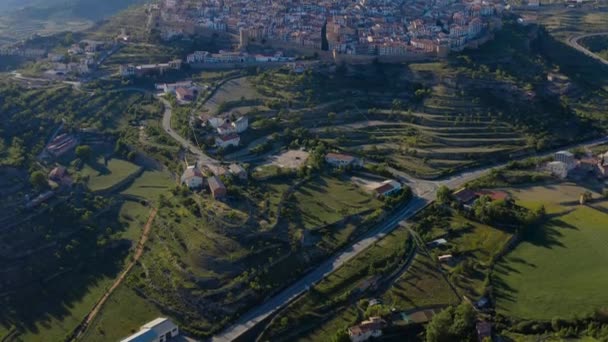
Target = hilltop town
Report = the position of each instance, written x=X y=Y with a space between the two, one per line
x=364 y=27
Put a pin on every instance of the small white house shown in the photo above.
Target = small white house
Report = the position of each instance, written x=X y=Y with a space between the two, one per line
x=158 y=330
x=227 y=140
x=340 y=160
x=388 y=188
x=558 y=169
x=567 y=158
x=241 y=124
x=192 y=177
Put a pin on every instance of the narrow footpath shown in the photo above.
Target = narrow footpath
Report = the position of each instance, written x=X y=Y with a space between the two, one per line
x=139 y=250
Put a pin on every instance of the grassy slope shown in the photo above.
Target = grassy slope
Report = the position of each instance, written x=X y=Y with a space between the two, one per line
x=559 y=271
x=101 y=177
x=327 y=200
x=58 y=321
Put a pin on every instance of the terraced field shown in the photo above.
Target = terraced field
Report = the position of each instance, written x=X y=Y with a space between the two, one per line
x=451 y=131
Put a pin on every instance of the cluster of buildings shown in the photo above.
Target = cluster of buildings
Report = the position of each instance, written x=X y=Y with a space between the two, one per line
x=566 y=164
x=129 y=70
x=194 y=178
x=227 y=130
x=86 y=52
x=357 y=27
x=230 y=57
x=184 y=91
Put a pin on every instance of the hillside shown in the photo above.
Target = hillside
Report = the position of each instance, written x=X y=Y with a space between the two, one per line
x=21 y=19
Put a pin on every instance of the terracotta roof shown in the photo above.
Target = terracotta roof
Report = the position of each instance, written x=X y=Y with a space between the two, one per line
x=494 y=195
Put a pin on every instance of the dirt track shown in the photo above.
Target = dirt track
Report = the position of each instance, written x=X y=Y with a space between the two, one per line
x=139 y=250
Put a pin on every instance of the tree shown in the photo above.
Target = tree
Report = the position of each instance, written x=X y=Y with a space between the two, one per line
x=452 y=324
x=341 y=336
x=444 y=195
x=38 y=180
x=84 y=152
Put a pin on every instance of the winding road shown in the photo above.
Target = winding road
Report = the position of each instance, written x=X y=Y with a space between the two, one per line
x=425 y=193
x=573 y=42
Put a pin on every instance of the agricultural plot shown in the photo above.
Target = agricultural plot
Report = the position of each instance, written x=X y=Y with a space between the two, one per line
x=101 y=176
x=327 y=200
x=150 y=185
x=123 y=314
x=421 y=286
x=559 y=269
x=57 y=306
x=476 y=245
x=310 y=317
x=235 y=94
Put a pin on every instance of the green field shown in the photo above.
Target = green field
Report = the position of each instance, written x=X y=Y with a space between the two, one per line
x=121 y=316
x=477 y=243
x=422 y=285
x=56 y=314
x=100 y=177
x=327 y=200
x=150 y=185
x=560 y=269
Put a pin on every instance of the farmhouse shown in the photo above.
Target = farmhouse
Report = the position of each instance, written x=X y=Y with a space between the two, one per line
x=366 y=329
x=185 y=94
x=340 y=160
x=158 y=330
x=566 y=157
x=388 y=188
x=217 y=188
x=227 y=140
x=558 y=169
x=241 y=124
x=226 y=128
x=192 y=177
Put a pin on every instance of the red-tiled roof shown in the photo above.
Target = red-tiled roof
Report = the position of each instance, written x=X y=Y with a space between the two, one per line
x=494 y=195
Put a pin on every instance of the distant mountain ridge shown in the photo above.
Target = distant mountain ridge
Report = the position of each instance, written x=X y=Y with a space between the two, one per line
x=78 y=9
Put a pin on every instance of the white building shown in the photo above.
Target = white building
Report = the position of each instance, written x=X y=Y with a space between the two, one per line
x=366 y=330
x=341 y=160
x=567 y=158
x=241 y=124
x=558 y=169
x=227 y=140
x=192 y=177
x=158 y=330
x=388 y=188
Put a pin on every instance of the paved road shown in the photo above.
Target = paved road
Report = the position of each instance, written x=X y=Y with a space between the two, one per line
x=203 y=159
x=425 y=193
x=573 y=42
